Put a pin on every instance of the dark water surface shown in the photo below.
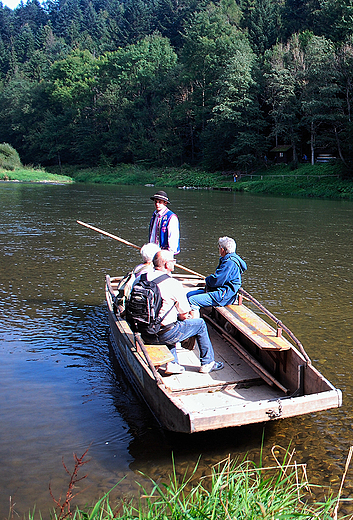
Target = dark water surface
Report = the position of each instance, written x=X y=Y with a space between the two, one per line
x=61 y=391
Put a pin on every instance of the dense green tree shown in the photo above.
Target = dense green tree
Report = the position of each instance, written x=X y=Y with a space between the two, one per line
x=261 y=18
x=24 y=44
x=31 y=14
x=171 y=16
x=135 y=92
x=237 y=120
x=16 y=112
x=298 y=16
x=74 y=79
x=283 y=76
x=211 y=41
x=320 y=99
x=337 y=19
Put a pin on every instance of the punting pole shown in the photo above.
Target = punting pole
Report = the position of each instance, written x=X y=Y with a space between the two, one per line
x=108 y=234
x=132 y=245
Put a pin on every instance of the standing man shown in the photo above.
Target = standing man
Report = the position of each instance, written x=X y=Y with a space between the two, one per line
x=164 y=225
x=221 y=287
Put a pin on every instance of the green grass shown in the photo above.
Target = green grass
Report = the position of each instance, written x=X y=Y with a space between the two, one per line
x=231 y=491
x=138 y=175
x=27 y=174
x=325 y=181
x=319 y=181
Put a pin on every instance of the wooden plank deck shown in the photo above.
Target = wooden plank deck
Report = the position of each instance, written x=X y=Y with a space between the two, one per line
x=235 y=372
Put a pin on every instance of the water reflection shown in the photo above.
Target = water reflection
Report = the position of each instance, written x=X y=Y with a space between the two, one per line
x=61 y=389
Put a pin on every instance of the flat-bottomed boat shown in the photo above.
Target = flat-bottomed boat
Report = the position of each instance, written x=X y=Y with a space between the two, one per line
x=267 y=374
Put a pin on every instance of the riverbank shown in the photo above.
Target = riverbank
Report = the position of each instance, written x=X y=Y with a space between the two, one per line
x=320 y=181
x=27 y=174
x=324 y=181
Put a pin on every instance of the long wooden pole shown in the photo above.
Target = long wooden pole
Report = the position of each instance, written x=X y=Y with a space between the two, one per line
x=241 y=290
x=108 y=234
x=132 y=245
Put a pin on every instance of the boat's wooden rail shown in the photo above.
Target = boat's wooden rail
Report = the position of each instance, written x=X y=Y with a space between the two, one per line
x=280 y=326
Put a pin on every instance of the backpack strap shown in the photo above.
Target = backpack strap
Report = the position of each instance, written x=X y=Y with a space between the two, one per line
x=159 y=279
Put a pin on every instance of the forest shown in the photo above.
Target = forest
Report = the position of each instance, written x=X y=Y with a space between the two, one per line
x=216 y=85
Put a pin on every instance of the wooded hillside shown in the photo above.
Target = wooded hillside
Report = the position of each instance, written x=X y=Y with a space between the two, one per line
x=172 y=82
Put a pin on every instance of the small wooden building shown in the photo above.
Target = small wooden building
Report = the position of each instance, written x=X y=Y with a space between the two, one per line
x=282 y=153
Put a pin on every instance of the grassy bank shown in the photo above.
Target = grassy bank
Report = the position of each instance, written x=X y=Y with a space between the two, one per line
x=25 y=174
x=319 y=181
x=230 y=491
x=128 y=174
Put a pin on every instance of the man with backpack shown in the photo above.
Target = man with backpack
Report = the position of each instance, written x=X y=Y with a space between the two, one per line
x=176 y=324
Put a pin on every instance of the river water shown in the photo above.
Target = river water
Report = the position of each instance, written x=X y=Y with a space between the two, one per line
x=61 y=391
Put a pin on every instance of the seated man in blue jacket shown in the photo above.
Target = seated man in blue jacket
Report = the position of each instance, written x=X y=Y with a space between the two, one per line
x=222 y=286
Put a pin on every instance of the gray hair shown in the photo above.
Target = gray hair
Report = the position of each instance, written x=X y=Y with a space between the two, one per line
x=161 y=257
x=228 y=244
x=148 y=251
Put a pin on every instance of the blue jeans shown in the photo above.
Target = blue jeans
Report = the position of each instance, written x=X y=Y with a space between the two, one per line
x=185 y=329
x=200 y=298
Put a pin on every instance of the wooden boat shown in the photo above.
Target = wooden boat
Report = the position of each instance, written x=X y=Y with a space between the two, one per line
x=266 y=376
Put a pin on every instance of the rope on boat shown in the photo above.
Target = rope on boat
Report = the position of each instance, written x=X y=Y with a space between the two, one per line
x=278 y=322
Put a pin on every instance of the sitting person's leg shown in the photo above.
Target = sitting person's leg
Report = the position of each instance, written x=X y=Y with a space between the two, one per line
x=193 y=327
x=173 y=367
x=198 y=299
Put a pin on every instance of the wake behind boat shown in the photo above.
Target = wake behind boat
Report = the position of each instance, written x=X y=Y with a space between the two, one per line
x=265 y=376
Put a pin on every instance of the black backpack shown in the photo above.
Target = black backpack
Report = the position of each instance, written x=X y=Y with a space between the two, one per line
x=143 y=306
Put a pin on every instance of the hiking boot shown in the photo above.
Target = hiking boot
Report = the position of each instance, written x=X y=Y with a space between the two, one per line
x=173 y=368
x=189 y=343
x=211 y=367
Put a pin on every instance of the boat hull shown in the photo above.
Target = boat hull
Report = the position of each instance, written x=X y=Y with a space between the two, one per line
x=256 y=385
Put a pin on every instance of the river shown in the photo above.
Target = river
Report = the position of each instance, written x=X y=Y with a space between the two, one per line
x=61 y=391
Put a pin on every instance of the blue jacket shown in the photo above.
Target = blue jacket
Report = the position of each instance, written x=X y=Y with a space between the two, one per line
x=226 y=280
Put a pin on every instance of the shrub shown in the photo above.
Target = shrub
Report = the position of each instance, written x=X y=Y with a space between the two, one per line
x=9 y=158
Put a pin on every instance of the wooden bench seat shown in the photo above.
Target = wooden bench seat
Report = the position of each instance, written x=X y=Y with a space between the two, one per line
x=255 y=328
x=159 y=354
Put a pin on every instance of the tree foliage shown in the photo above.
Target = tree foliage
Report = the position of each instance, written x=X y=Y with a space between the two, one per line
x=168 y=82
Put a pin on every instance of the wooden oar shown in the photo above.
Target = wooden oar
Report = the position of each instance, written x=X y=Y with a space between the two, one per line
x=132 y=245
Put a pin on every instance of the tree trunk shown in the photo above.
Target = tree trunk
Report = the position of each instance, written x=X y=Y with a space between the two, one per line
x=312 y=143
x=339 y=147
